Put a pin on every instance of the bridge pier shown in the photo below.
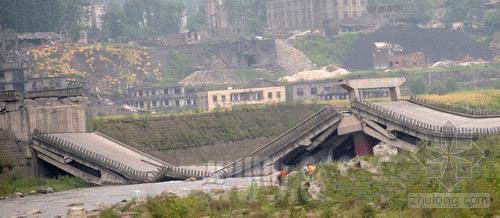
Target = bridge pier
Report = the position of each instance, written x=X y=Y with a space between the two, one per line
x=362 y=144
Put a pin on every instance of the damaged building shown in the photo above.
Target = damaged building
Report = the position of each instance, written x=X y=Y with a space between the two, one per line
x=393 y=56
x=160 y=98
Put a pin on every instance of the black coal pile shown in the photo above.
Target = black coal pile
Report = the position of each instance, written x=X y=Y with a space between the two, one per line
x=437 y=44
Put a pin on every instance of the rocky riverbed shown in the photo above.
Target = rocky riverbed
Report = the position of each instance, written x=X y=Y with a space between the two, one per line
x=91 y=199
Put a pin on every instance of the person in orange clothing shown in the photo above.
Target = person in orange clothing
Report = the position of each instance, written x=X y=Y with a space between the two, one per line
x=310 y=170
x=282 y=176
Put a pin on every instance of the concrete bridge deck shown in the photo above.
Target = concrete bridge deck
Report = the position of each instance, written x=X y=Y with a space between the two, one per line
x=99 y=159
x=436 y=117
x=113 y=150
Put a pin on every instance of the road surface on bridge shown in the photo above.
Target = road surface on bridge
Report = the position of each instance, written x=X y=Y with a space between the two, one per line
x=113 y=150
x=438 y=118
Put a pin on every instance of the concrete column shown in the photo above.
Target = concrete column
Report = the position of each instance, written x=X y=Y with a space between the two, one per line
x=4 y=42
x=395 y=93
x=354 y=93
x=362 y=145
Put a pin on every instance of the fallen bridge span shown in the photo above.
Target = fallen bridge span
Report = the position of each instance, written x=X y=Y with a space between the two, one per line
x=101 y=160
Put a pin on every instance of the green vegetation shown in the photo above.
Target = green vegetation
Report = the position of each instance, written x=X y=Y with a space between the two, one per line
x=196 y=129
x=28 y=184
x=138 y=19
x=246 y=16
x=179 y=64
x=249 y=75
x=358 y=193
x=438 y=80
x=324 y=52
x=479 y=99
x=36 y=16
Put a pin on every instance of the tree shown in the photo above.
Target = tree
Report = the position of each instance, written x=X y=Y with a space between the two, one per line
x=113 y=22
x=246 y=16
x=153 y=17
x=464 y=10
x=417 y=85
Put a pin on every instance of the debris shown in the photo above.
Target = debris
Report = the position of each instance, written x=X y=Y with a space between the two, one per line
x=168 y=194
x=384 y=152
x=76 y=212
x=34 y=211
x=46 y=190
x=18 y=194
x=75 y=204
x=192 y=179
x=368 y=167
x=314 y=190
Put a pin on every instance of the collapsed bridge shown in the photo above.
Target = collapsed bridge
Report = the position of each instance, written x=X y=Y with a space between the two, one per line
x=101 y=160
x=327 y=135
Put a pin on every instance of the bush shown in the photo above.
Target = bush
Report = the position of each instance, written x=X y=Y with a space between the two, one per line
x=27 y=184
x=323 y=52
x=108 y=213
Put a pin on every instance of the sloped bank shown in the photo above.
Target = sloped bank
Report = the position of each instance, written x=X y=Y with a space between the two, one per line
x=209 y=135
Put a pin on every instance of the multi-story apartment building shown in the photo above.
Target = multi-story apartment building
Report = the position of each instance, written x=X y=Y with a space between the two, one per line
x=262 y=92
x=160 y=98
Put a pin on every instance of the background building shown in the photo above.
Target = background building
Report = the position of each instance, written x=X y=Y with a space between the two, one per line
x=215 y=16
x=160 y=98
x=307 y=14
x=260 y=92
x=387 y=55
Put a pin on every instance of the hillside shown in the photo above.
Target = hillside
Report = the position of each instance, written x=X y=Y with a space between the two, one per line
x=111 y=66
x=437 y=45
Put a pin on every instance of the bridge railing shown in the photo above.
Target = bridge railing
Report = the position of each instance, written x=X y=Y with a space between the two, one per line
x=59 y=93
x=10 y=95
x=458 y=110
x=259 y=155
x=419 y=126
x=187 y=173
x=96 y=158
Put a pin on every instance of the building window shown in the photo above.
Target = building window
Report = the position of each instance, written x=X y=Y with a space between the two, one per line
x=141 y=93
x=2 y=75
x=214 y=98
x=300 y=91
x=153 y=103
x=278 y=94
x=270 y=95
x=314 y=91
x=177 y=103
x=223 y=98
x=178 y=90
x=165 y=91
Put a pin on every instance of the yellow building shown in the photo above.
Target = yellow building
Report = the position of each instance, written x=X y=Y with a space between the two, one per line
x=211 y=100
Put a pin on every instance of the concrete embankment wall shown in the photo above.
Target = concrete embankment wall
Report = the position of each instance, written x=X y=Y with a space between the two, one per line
x=20 y=118
x=49 y=115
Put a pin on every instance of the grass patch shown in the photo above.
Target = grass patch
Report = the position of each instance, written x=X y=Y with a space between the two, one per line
x=163 y=132
x=323 y=52
x=357 y=194
x=27 y=184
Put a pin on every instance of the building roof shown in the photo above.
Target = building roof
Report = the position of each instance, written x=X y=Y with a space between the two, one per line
x=260 y=83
